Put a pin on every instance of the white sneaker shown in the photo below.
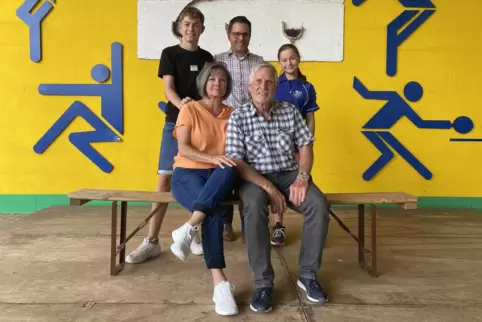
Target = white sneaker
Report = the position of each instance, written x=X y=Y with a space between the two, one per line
x=224 y=300
x=196 y=245
x=145 y=251
x=182 y=237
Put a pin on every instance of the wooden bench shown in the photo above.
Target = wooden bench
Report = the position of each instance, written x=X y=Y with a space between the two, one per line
x=80 y=197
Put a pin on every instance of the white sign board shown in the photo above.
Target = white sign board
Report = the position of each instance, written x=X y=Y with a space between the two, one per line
x=322 y=20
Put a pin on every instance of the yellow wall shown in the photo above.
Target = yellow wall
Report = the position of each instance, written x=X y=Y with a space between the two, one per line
x=443 y=55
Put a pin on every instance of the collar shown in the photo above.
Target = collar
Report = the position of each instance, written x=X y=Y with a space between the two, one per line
x=253 y=111
x=230 y=53
x=282 y=78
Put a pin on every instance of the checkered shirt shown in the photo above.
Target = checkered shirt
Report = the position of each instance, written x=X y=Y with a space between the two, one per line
x=268 y=146
x=239 y=68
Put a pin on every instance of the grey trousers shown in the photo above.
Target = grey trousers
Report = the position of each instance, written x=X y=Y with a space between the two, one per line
x=315 y=210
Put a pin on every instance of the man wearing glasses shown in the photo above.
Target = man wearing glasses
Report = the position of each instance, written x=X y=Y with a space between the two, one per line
x=239 y=61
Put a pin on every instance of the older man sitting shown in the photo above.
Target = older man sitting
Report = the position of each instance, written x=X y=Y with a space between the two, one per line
x=261 y=138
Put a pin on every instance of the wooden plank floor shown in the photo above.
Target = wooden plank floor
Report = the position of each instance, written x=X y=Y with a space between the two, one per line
x=55 y=267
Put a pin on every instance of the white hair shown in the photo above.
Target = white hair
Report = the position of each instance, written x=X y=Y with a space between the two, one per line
x=274 y=72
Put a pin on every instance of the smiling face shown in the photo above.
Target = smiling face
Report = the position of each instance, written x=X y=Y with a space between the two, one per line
x=289 y=61
x=190 y=29
x=239 y=37
x=217 y=84
x=262 y=86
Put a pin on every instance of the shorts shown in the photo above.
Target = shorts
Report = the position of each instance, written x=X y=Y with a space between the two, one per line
x=168 y=149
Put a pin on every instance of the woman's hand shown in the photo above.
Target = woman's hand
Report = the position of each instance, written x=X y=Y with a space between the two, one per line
x=222 y=161
x=185 y=100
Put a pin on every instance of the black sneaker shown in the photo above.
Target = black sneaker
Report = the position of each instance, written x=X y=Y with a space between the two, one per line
x=261 y=300
x=278 y=236
x=313 y=289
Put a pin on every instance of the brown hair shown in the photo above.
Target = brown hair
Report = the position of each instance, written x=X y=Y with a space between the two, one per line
x=191 y=12
x=292 y=47
x=239 y=19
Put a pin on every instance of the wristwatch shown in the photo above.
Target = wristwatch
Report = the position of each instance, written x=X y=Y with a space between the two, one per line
x=304 y=175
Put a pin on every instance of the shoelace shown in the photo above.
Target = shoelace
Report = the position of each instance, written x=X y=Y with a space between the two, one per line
x=187 y=237
x=316 y=286
x=262 y=293
x=143 y=246
x=227 y=289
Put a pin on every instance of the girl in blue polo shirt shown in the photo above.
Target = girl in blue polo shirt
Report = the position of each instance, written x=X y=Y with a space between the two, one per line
x=294 y=88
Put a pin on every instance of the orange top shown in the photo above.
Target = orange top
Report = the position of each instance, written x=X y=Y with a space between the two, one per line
x=208 y=133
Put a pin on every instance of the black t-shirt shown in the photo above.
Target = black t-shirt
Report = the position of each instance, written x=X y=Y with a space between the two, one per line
x=184 y=65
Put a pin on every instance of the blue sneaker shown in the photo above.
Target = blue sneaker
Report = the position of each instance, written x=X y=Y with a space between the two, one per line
x=261 y=300
x=313 y=289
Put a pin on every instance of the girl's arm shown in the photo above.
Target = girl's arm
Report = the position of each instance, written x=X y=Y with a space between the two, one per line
x=310 y=122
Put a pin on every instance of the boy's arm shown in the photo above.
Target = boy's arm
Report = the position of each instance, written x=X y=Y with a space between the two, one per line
x=170 y=91
x=167 y=70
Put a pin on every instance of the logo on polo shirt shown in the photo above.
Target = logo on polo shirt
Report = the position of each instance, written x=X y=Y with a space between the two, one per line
x=297 y=93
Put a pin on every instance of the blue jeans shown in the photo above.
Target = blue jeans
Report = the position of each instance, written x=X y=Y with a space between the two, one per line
x=203 y=190
x=168 y=149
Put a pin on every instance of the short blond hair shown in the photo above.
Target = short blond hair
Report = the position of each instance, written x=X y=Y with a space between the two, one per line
x=191 y=12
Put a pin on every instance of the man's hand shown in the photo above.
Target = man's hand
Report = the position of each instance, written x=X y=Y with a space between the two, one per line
x=298 y=191
x=277 y=201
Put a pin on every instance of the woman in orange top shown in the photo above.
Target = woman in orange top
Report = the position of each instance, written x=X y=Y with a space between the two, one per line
x=203 y=176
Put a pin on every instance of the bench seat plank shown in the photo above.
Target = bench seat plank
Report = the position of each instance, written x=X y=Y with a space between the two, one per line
x=402 y=199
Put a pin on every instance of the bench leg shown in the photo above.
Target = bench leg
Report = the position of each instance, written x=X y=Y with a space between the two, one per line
x=361 y=236
x=374 y=268
x=114 y=267
x=113 y=242
x=362 y=252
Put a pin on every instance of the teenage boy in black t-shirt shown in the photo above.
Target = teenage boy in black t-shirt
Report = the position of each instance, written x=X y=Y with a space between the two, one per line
x=178 y=67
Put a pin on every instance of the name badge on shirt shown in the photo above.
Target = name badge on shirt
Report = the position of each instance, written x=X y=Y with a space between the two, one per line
x=193 y=68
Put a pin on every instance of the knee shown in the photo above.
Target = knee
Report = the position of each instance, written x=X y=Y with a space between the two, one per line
x=255 y=200
x=228 y=172
x=316 y=202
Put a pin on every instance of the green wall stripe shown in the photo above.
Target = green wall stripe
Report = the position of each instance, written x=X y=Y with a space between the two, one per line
x=22 y=204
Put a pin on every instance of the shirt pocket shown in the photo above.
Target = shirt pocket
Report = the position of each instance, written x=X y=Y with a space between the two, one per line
x=284 y=141
x=256 y=145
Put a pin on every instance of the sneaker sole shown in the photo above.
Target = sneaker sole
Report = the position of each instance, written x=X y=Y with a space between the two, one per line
x=130 y=261
x=226 y=313
x=259 y=311
x=302 y=286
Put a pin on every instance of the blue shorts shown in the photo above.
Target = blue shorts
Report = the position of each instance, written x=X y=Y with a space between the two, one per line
x=168 y=149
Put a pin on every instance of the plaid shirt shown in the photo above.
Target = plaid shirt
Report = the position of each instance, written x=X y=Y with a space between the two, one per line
x=268 y=146
x=239 y=68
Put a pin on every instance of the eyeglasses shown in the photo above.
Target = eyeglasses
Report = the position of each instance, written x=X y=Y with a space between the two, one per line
x=239 y=34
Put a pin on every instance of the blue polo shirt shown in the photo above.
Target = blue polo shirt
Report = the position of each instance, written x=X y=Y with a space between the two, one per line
x=301 y=94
